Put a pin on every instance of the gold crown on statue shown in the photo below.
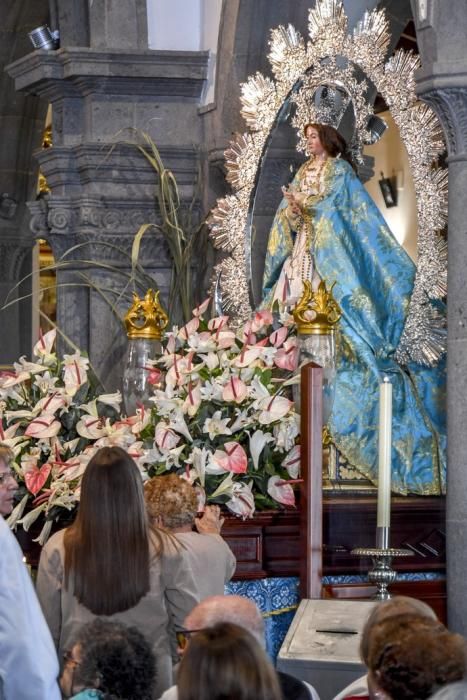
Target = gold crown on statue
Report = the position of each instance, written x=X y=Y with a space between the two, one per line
x=316 y=313
x=146 y=319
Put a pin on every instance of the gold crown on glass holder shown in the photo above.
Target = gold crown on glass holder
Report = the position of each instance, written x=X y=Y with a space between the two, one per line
x=146 y=319
x=316 y=313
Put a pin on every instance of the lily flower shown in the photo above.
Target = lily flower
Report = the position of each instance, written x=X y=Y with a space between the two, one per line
x=114 y=400
x=258 y=441
x=216 y=425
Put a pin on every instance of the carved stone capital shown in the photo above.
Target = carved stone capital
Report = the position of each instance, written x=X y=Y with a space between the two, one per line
x=445 y=89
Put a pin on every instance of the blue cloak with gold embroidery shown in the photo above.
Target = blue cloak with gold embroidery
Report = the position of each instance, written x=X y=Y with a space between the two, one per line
x=374 y=278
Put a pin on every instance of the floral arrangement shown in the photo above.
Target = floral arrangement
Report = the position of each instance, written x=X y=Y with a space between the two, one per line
x=224 y=417
x=221 y=416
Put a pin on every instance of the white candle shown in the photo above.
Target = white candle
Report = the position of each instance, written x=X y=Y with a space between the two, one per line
x=384 y=466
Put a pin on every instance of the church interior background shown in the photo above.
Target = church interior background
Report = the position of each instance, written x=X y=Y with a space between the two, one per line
x=76 y=193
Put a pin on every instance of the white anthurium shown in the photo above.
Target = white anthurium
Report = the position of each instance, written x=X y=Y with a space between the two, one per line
x=165 y=438
x=140 y=420
x=217 y=323
x=247 y=357
x=45 y=426
x=225 y=487
x=45 y=382
x=286 y=431
x=216 y=425
x=189 y=329
x=114 y=400
x=273 y=408
x=91 y=427
x=193 y=399
x=75 y=372
x=281 y=491
x=201 y=308
x=43 y=347
x=292 y=462
x=257 y=443
x=178 y=423
x=11 y=379
x=167 y=359
x=225 y=339
x=242 y=501
x=53 y=403
x=74 y=467
x=8 y=433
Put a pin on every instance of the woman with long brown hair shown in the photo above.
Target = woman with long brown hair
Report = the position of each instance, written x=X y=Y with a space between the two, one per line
x=110 y=563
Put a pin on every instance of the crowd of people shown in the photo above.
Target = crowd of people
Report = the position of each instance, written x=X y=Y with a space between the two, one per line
x=130 y=605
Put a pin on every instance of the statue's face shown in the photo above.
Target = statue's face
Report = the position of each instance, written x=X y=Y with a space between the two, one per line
x=314 y=145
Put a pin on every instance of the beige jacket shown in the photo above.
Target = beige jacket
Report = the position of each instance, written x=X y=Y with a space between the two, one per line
x=172 y=595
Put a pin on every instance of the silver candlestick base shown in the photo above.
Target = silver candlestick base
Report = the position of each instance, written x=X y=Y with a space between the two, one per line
x=381 y=575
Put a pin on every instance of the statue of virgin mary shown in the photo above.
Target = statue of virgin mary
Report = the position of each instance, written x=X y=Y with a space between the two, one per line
x=328 y=228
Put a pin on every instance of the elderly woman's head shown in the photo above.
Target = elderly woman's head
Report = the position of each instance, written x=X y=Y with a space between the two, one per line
x=410 y=657
x=171 y=502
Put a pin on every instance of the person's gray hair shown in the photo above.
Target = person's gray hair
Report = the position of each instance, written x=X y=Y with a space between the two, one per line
x=6 y=455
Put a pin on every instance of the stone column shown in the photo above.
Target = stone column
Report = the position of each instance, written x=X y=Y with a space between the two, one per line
x=101 y=194
x=442 y=82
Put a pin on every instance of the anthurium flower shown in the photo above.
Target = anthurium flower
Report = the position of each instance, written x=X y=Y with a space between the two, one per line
x=242 y=501
x=233 y=458
x=287 y=356
x=35 y=478
x=165 y=437
x=43 y=347
x=225 y=339
x=247 y=356
x=257 y=443
x=235 y=390
x=9 y=379
x=188 y=329
x=292 y=462
x=193 y=399
x=201 y=308
x=218 y=322
x=216 y=425
x=52 y=403
x=74 y=372
x=45 y=426
x=281 y=491
x=277 y=337
x=91 y=427
x=260 y=320
x=273 y=408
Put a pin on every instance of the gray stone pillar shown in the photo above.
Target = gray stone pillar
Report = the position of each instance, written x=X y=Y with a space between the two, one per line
x=101 y=195
x=442 y=82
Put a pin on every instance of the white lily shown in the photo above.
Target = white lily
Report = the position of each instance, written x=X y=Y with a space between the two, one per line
x=257 y=443
x=114 y=400
x=216 y=425
x=198 y=459
x=292 y=462
x=242 y=502
x=178 y=423
x=286 y=431
x=225 y=487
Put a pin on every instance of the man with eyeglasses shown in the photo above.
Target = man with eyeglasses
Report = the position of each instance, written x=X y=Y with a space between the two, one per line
x=28 y=661
x=244 y=613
